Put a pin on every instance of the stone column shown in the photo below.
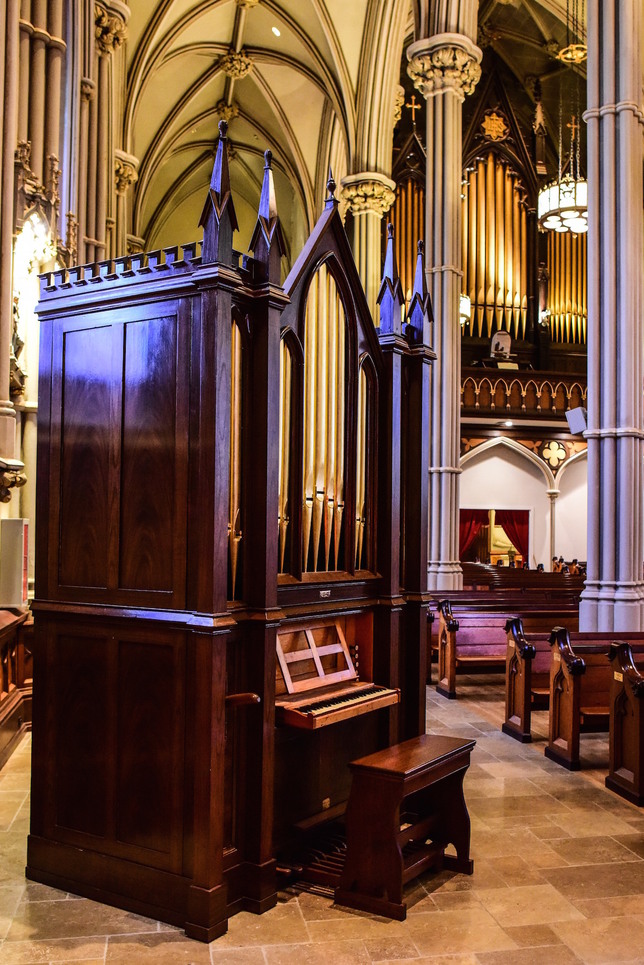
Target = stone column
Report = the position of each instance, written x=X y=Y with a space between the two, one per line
x=614 y=595
x=369 y=196
x=444 y=68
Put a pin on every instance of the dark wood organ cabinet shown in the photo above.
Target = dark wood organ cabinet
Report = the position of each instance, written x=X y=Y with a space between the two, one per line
x=231 y=560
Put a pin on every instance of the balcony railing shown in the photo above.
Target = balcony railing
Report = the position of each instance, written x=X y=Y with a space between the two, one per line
x=515 y=393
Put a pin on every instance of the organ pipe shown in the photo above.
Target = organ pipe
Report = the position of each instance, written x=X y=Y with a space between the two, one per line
x=324 y=414
x=495 y=248
x=286 y=382
x=567 y=254
x=407 y=215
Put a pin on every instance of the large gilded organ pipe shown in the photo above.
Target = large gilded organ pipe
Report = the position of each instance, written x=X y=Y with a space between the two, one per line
x=495 y=248
x=286 y=377
x=567 y=254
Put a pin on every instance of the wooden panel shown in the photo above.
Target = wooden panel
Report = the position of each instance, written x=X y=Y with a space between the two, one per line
x=149 y=746
x=85 y=449
x=148 y=454
x=80 y=695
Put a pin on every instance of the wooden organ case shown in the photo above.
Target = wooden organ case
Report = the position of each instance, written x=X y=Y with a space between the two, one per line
x=232 y=497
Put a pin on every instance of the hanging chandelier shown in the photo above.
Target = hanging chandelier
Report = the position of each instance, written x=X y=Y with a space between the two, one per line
x=563 y=204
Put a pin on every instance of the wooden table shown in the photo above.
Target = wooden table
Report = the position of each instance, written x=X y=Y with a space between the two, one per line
x=405 y=807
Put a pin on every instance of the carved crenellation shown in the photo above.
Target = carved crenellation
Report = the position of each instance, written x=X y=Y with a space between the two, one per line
x=368 y=192
x=110 y=30
x=236 y=64
x=445 y=62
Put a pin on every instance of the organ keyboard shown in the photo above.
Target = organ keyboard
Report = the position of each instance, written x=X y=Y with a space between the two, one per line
x=317 y=681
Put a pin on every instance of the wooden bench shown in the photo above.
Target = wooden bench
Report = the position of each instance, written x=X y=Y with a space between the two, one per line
x=527 y=679
x=476 y=641
x=580 y=682
x=626 y=742
x=405 y=807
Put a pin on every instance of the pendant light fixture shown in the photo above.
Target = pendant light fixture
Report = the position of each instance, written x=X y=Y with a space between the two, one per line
x=563 y=204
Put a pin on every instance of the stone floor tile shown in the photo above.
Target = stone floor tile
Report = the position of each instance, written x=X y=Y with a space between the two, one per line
x=283 y=925
x=532 y=935
x=387 y=950
x=598 y=881
x=552 y=955
x=470 y=929
x=66 y=919
x=358 y=927
x=603 y=940
x=599 y=850
x=590 y=822
x=236 y=956
x=530 y=905
x=64 y=950
x=329 y=953
x=623 y=907
x=11 y=803
x=516 y=871
x=156 y=949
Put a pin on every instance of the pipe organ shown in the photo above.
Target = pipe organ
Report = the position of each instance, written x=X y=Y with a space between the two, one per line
x=567 y=260
x=495 y=248
x=223 y=483
x=407 y=215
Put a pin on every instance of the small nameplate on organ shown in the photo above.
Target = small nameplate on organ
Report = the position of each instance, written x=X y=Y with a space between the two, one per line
x=618 y=676
x=324 y=594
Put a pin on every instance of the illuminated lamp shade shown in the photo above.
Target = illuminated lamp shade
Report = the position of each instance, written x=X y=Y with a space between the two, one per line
x=563 y=206
x=464 y=310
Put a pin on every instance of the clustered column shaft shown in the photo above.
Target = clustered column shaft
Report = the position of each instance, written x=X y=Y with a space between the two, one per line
x=444 y=69
x=614 y=594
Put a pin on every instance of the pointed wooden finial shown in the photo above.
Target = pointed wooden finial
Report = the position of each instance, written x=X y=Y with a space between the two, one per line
x=267 y=243
x=218 y=217
x=390 y=296
x=331 y=200
x=420 y=310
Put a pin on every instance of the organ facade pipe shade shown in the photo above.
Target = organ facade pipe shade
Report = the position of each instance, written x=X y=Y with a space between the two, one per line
x=567 y=287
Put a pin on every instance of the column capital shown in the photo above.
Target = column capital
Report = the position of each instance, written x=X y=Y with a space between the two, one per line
x=125 y=171
x=444 y=62
x=368 y=191
x=110 y=29
x=399 y=100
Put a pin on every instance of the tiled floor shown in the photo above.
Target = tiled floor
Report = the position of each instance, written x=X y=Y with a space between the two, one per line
x=559 y=878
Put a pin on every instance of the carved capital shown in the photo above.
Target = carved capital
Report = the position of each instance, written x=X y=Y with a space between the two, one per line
x=110 y=31
x=125 y=171
x=226 y=111
x=11 y=477
x=88 y=88
x=368 y=191
x=247 y=4
x=445 y=62
x=398 y=103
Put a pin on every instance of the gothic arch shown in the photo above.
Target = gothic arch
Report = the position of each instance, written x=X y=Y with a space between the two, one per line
x=514 y=447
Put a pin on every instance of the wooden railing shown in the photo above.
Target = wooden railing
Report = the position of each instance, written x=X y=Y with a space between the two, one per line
x=516 y=393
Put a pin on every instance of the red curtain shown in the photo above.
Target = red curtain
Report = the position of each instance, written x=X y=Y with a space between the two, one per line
x=470 y=523
x=515 y=524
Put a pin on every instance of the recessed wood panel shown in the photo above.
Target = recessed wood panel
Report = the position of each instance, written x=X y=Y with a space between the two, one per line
x=148 y=454
x=150 y=746
x=85 y=449
x=81 y=699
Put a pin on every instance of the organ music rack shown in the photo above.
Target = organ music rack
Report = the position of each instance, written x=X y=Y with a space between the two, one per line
x=185 y=522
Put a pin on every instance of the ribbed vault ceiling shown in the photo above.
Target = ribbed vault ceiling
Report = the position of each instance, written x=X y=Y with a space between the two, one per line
x=313 y=80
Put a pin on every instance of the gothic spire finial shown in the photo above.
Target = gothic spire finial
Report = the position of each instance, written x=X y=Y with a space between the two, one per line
x=267 y=243
x=390 y=297
x=218 y=217
x=419 y=312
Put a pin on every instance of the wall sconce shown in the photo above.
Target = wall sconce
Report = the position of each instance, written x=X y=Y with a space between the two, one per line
x=465 y=310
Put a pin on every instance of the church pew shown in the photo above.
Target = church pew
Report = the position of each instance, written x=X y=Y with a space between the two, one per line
x=474 y=640
x=580 y=682
x=626 y=741
x=527 y=679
